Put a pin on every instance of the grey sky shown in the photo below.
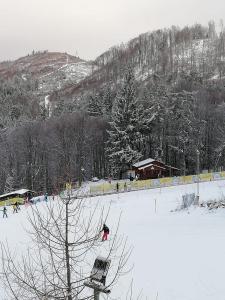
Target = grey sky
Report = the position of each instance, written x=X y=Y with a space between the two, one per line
x=89 y=27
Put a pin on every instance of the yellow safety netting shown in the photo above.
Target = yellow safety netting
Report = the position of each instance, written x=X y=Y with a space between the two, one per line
x=152 y=183
x=11 y=201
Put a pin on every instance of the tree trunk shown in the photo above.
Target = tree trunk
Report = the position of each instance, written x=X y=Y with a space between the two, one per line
x=69 y=289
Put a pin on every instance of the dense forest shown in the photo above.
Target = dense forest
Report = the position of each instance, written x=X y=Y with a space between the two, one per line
x=162 y=95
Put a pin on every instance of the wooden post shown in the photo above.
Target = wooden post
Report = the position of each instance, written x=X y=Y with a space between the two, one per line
x=198 y=172
x=96 y=294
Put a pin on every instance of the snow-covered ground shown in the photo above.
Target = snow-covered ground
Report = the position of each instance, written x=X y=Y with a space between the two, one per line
x=176 y=255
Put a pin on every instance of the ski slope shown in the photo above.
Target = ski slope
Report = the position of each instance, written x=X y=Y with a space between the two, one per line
x=177 y=255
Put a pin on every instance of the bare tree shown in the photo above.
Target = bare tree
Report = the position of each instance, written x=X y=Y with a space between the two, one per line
x=66 y=239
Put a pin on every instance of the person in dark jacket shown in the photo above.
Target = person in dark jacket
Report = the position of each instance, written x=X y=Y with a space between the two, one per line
x=117 y=187
x=5 y=212
x=105 y=230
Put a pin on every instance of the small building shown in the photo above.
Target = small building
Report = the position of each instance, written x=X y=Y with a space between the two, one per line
x=151 y=168
x=19 y=194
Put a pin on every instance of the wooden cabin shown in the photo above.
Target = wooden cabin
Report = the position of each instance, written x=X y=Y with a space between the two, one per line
x=151 y=168
x=15 y=196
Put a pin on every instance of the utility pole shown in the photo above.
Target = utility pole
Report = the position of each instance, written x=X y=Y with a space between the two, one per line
x=198 y=172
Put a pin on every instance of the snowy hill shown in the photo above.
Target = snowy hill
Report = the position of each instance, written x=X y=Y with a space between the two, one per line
x=67 y=73
x=47 y=72
x=37 y=64
x=176 y=255
x=53 y=70
x=165 y=53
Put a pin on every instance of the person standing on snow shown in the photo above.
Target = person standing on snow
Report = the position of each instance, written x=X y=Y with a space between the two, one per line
x=14 y=208
x=105 y=230
x=26 y=201
x=5 y=212
x=17 y=206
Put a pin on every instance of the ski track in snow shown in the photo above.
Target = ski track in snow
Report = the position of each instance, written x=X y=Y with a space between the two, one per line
x=179 y=255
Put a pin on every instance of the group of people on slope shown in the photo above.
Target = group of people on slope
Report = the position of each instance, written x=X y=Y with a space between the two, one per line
x=15 y=206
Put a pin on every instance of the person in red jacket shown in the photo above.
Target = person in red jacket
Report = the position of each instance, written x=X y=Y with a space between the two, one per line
x=105 y=230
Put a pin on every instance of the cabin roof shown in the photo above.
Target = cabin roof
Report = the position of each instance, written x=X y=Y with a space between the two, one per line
x=18 y=192
x=143 y=162
x=151 y=165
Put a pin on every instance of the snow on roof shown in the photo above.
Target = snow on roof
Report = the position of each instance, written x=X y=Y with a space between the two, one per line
x=102 y=258
x=143 y=162
x=18 y=192
x=149 y=165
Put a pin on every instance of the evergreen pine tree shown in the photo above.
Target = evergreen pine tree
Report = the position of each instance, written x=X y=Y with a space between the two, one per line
x=108 y=96
x=95 y=105
x=125 y=138
x=9 y=183
x=59 y=108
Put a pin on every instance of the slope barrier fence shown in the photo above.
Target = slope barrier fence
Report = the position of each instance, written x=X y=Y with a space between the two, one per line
x=125 y=186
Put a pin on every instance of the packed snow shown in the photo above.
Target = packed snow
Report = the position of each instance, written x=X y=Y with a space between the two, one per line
x=177 y=255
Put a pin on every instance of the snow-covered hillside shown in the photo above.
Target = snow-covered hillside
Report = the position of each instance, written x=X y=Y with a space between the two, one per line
x=176 y=255
x=52 y=70
x=67 y=73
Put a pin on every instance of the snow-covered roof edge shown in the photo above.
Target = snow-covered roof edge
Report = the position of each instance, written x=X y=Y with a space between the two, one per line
x=149 y=165
x=143 y=162
x=18 y=192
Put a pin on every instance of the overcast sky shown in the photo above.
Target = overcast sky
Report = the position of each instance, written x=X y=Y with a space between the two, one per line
x=89 y=27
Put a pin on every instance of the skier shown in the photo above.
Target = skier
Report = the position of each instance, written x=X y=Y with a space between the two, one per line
x=17 y=206
x=26 y=201
x=105 y=230
x=46 y=197
x=117 y=187
x=5 y=212
x=14 y=208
